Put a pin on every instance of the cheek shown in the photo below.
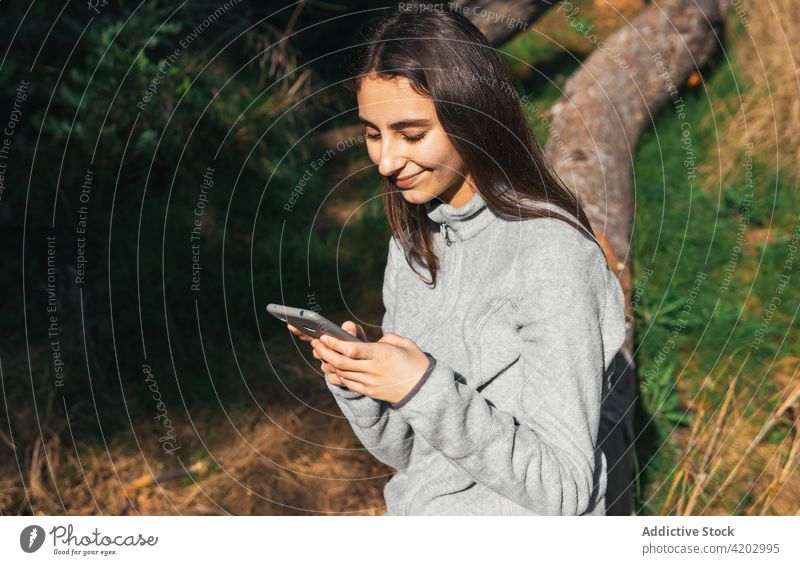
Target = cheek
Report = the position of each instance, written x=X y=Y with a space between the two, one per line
x=374 y=152
x=441 y=156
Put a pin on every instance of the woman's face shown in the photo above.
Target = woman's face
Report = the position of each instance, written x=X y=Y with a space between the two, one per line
x=407 y=142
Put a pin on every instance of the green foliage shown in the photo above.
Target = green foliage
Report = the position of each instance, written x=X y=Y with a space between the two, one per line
x=660 y=396
x=149 y=105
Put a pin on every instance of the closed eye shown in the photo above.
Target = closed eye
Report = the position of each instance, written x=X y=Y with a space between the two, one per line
x=415 y=138
x=409 y=138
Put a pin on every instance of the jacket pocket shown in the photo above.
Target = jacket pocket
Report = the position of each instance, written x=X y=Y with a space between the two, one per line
x=498 y=344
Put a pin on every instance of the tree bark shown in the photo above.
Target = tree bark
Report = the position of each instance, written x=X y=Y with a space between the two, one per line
x=597 y=122
x=500 y=20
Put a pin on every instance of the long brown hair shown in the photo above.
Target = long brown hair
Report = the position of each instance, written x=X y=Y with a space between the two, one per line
x=446 y=57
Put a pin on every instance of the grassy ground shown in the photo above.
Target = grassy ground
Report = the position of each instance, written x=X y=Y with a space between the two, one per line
x=716 y=336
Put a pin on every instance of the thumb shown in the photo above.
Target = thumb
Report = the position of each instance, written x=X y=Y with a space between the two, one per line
x=354 y=329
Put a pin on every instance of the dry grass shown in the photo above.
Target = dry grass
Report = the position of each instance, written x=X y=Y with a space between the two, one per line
x=294 y=458
x=766 y=54
x=727 y=467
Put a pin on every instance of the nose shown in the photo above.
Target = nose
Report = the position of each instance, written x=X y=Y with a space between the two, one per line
x=391 y=160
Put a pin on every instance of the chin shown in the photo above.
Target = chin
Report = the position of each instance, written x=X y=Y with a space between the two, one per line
x=415 y=196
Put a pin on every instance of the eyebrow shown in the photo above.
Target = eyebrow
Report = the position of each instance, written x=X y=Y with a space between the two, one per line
x=410 y=123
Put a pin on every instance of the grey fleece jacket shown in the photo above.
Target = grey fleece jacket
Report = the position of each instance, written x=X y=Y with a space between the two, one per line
x=521 y=330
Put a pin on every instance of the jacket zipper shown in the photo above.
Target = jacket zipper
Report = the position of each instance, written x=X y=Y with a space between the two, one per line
x=443 y=231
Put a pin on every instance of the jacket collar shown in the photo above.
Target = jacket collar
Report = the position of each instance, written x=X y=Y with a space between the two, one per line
x=465 y=221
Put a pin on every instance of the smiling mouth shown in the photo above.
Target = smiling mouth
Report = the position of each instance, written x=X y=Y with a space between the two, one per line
x=407 y=180
x=407 y=177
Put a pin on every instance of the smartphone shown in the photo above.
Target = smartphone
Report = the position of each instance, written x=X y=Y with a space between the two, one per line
x=309 y=322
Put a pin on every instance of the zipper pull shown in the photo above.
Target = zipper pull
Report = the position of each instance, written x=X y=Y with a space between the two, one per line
x=445 y=235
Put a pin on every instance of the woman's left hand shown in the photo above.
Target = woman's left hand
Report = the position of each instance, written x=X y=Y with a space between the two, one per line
x=384 y=370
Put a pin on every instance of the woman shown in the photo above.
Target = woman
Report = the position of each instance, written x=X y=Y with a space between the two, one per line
x=502 y=316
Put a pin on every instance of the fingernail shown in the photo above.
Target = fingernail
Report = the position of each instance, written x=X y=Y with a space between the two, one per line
x=325 y=339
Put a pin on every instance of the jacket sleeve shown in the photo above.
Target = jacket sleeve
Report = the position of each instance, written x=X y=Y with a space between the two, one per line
x=377 y=424
x=540 y=450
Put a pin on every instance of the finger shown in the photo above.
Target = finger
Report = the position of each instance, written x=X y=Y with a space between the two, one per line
x=345 y=377
x=298 y=333
x=363 y=379
x=334 y=380
x=337 y=359
x=350 y=327
x=354 y=329
x=330 y=373
x=353 y=385
x=353 y=350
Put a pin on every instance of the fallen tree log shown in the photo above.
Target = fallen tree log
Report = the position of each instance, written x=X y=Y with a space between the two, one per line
x=501 y=20
x=605 y=107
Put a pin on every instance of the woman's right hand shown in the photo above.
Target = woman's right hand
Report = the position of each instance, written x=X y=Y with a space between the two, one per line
x=350 y=327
